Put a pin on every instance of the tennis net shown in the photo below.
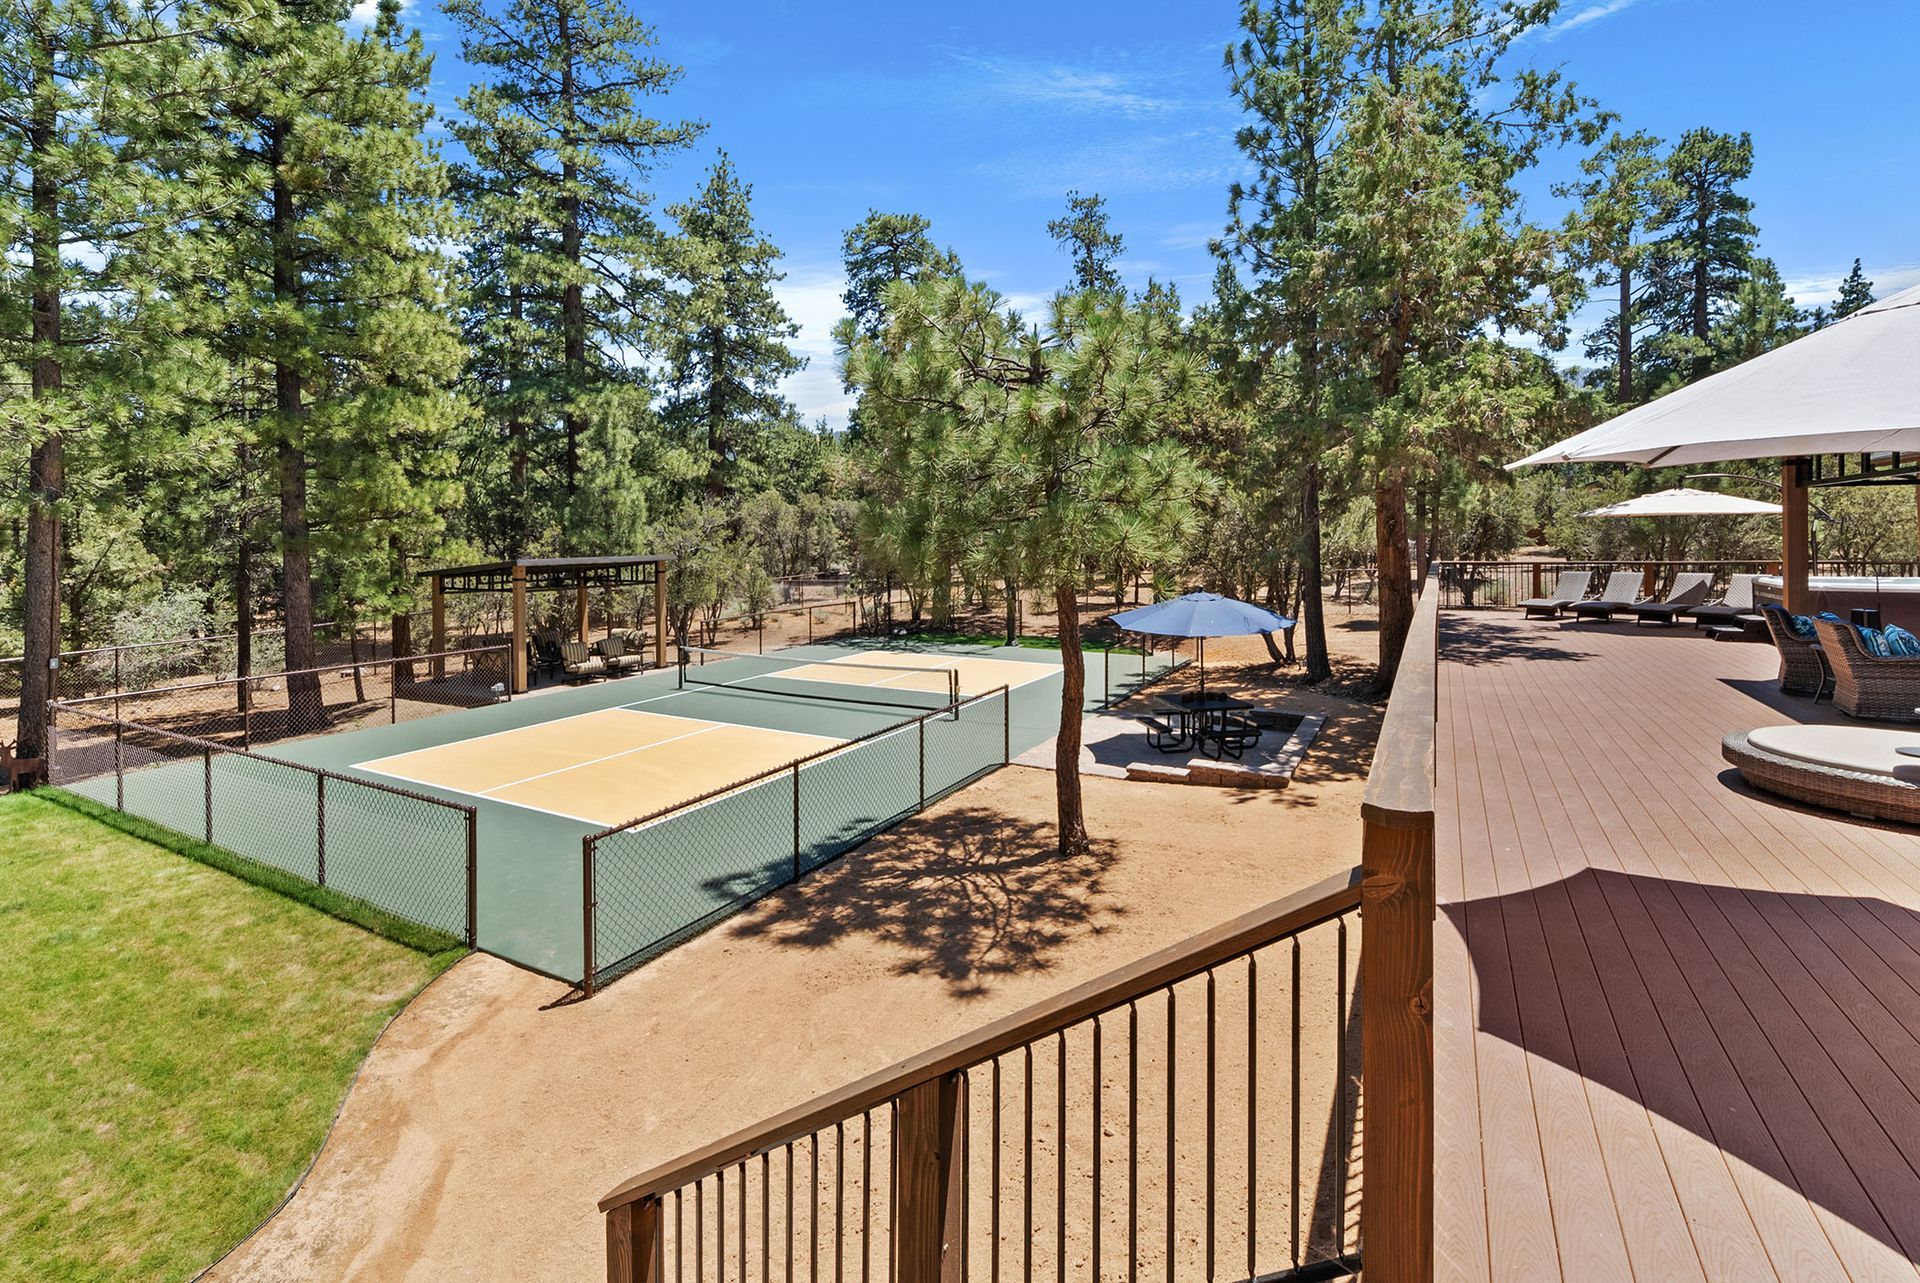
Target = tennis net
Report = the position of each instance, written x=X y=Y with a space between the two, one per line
x=854 y=681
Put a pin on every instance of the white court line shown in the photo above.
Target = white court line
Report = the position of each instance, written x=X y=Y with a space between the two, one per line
x=551 y=721
x=594 y=820
x=595 y=761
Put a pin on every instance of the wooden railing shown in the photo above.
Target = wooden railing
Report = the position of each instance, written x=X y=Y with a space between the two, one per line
x=1503 y=583
x=1154 y=1114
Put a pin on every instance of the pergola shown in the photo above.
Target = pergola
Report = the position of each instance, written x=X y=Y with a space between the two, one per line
x=551 y=574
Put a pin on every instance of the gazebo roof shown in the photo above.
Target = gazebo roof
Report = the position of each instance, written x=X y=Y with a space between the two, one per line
x=546 y=574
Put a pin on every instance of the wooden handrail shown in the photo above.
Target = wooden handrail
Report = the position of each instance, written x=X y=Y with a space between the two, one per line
x=1242 y=935
x=1396 y=959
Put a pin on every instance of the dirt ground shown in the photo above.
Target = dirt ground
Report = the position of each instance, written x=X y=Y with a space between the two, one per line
x=492 y=1115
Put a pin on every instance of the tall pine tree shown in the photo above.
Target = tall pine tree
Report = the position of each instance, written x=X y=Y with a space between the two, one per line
x=1609 y=232
x=1703 y=243
x=879 y=250
x=1855 y=293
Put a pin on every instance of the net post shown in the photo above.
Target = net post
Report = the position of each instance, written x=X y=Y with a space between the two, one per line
x=206 y=764
x=796 y=821
x=473 y=878
x=320 y=828
x=586 y=915
x=1106 y=679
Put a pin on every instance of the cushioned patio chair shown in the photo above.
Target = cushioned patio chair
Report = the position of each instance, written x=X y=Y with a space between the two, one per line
x=619 y=659
x=1569 y=589
x=1690 y=588
x=1621 y=593
x=578 y=664
x=1794 y=638
x=1737 y=602
x=1868 y=679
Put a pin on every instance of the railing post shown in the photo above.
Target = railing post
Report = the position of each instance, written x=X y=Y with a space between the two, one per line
x=586 y=915
x=119 y=770
x=929 y=1183
x=473 y=879
x=320 y=829
x=633 y=1242
x=921 y=729
x=796 y=821
x=206 y=762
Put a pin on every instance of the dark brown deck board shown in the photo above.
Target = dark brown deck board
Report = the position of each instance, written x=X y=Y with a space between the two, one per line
x=1677 y=1024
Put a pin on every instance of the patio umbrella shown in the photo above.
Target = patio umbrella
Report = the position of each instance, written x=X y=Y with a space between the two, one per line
x=1201 y=615
x=1686 y=502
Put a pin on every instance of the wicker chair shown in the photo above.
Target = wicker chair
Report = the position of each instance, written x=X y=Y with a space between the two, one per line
x=1800 y=671
x=1866 y=685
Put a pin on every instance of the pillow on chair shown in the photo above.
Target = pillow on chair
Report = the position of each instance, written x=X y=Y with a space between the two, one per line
x=1874 y=642
x=1899 y=641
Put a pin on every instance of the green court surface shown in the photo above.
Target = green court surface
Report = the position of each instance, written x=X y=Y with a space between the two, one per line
x=530 y=885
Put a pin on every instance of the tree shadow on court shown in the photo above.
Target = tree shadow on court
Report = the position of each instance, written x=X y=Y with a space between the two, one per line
x=968 y=895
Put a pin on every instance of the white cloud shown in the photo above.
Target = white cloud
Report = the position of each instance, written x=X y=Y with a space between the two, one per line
x=1106 y=90
x=1192 y=235
x=1818 y=289
x=811 y=296
x=365 y=11
x=1586 y=17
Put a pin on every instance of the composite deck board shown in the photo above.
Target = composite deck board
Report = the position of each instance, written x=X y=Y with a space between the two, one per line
x=1677 y=1023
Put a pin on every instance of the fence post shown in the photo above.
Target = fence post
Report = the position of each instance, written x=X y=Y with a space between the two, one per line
x=586 y=915
x=119 y=770
x=320 y=830
x=206 y=761
x=929 y=1183
x=633 y=1242
x=921 y=724
x=473 y=878
x=246 y=714
x=796 y=821
x=1106 y=677
x=1006 y=726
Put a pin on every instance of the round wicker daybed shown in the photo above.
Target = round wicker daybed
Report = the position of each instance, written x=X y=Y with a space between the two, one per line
x=1843 y=768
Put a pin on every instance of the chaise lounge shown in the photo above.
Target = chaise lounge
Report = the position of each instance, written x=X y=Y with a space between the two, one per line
x=1570 y=589
x=1729 y=609
x=1621 y=593
x=1690 y=588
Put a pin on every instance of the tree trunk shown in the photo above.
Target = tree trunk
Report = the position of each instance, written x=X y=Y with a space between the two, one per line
x=1066 y=752
x=1312 y=608
x=243 y=623
x=46 y=463
x=1013 y=612
x=1395 y=589
x=1624 y=342
x=716 y=417
x=305 y=710
x=573 y=304
x=1702 y=320
x=517 y=431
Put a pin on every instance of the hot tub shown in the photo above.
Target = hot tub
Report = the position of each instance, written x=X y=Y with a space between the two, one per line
x=1897 y=599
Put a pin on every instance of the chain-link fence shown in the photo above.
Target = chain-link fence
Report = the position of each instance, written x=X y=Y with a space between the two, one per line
x=658 y=879
x=412 y=855
x=249 y=712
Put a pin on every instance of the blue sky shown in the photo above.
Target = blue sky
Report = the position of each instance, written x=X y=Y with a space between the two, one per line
x=983 y=117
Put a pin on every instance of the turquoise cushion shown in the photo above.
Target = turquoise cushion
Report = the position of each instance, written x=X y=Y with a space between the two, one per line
x=1874 y=642
x=1830 y=617
x=1900 y=641
x=1802 y=626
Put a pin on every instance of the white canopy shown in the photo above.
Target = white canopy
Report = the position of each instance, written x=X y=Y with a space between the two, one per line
x=1685 y=502
x=1850 y=388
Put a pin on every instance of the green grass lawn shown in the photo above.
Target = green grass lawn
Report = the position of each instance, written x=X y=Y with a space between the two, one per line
x=173 y=1045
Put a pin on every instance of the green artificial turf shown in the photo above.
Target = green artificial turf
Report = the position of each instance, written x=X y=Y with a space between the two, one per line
x=175 y=1041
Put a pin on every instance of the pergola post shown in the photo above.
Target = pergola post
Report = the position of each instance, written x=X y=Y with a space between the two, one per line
x=1794 y=532
x=580 y=623
x=439 y=627
x=660 y=615
x=517 y=655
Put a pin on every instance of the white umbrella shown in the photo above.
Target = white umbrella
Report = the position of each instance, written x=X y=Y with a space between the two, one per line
x=1850 y=388
x=1686 y=502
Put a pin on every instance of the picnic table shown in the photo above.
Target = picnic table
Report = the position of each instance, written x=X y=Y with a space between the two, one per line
x=1197 y=721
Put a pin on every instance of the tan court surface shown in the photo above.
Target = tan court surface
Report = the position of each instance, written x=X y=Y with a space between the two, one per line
x=605 y=767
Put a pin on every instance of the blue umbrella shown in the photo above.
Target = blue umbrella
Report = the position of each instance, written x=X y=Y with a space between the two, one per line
x=1201 y=615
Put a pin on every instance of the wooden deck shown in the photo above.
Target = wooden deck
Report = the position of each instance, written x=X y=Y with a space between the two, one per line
x=1677 y=1024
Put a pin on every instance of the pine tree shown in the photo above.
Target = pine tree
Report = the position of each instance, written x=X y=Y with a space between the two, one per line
x=1292 y=74
x=1855 y=293
x=102 y=100
x=1087 y=234
x=560 y=148
x=726 y=350
x=1703 y=243
x=1761 y=317
x=880 y=250
x=327 y=283
x=1609 y=230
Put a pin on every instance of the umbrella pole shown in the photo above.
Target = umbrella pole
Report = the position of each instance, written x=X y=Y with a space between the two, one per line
x=1203 y=668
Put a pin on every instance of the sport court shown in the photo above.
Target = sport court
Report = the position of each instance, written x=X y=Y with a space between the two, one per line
x=611 y=765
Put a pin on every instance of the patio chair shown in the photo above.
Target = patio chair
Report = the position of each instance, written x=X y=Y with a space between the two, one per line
x=1568 y=590
x=546 y=651
x=618 y=658
x=1621 y=593
x=1690 y=588
x=1729 y=609
x=578 y=664
x=1866 y=682
x=1794 y=638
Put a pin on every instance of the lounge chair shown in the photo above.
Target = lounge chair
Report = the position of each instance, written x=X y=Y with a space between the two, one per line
x=1621 y=593
x=1729 y=609
x=1690 y=588
x=578 y=664
x=1794 y=638
x=1568 y=590
x=1867 y=683
x=619 y=659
